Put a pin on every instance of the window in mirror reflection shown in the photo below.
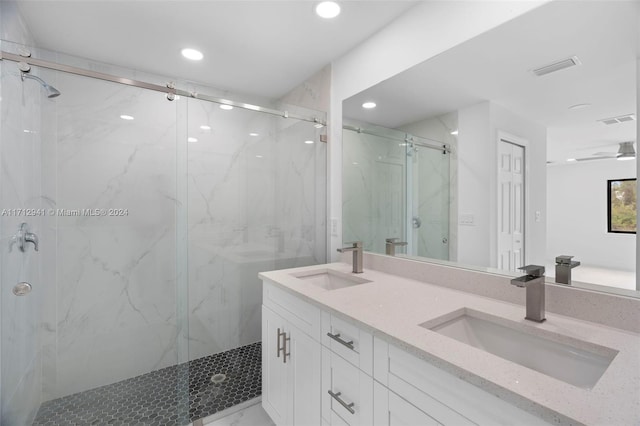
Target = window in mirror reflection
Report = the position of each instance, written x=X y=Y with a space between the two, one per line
x=622 y=205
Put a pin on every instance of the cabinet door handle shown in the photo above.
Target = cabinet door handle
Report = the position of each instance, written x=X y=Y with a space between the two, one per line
x=349 y=406
x=337 y=338
x=279 y=348
x=285 y=353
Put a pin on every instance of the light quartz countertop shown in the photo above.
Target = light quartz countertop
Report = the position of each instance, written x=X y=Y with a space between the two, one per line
x=393 y=308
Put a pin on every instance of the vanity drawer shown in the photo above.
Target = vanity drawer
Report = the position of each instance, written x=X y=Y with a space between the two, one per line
x=347 y=392
x=444 y=397
x=305 y=316
x=348 y=341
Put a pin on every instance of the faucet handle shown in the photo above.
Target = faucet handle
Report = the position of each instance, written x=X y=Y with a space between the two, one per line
x=533 y=270
x=563 y=260
x=30 y=237
x=391 y=240
x=355 y=244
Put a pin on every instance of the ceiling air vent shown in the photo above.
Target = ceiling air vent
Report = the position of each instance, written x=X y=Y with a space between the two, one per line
x=557 y=66
x=618 y=120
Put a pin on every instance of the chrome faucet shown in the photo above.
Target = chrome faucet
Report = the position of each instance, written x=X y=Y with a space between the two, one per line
x=391 y=244
x=564 y=265
x=22 y=237
x=534 y=284
x=356 y=248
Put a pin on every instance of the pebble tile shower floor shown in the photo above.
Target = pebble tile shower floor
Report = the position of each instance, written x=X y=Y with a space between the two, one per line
x=155 y=398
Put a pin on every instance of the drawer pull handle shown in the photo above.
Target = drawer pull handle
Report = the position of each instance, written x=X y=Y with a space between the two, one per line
x=337 y=338
x=336 y=396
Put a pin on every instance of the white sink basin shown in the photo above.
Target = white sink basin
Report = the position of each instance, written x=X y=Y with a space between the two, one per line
x=575 y=362
x=329 y=279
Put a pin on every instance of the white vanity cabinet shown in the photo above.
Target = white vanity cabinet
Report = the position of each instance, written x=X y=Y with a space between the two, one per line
x=291 y=359
x=347 y=367
x=409 y=389
x=320 y=369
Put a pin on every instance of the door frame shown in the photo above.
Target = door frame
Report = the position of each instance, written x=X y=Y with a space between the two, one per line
x=503 y=136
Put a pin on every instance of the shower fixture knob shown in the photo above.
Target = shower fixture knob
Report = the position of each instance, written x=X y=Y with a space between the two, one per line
x=24 y=67
x=25 y=53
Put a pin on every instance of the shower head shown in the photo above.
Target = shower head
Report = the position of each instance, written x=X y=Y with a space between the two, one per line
x=52 y=92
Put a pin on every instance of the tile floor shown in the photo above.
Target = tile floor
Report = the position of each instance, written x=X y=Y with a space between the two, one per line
x=158 y=399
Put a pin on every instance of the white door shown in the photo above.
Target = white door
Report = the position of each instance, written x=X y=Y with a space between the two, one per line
x=511 y=192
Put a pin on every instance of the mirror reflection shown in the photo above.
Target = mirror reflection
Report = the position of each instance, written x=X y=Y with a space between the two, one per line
x=500 y=152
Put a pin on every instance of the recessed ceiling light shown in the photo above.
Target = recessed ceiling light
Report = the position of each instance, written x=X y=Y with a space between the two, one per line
x=190 y=139
x=225 y=106
x=455 y=132
x=328 y=9
x=193 y=54
x=579 y=106
x=205 y=127
x=369 y=105
x=308 y=142
x=126 y=117
x=254 y=134
x=570 y=160
x=258 y=156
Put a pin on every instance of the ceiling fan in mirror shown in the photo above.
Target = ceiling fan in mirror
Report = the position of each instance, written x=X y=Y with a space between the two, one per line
x=626 y=151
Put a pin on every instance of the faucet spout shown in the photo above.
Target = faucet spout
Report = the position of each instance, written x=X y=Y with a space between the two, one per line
x=533 y=282
x=391 y=244
x=357 y=249
x=564 y=265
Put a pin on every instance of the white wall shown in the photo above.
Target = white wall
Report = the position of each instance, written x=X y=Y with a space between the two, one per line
x=419 y=34
x=478 y=132
x=577 y=222
x=474 y=183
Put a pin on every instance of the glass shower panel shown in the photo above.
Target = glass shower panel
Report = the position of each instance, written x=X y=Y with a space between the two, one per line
x=21 y=202
x=430 y=202
x=257 y=202
x=374 y=188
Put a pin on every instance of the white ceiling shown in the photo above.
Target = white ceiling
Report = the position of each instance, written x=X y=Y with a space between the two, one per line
x=258 y=47
x=497 y=66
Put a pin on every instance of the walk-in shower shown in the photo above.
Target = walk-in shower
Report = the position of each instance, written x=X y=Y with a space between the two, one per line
x=401 y=184
x=155 y=210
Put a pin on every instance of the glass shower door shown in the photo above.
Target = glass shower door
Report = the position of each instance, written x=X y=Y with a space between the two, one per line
x=429 y=182
x=396 y=186
x=96 y=340
x=21 y=277
x=374 y=188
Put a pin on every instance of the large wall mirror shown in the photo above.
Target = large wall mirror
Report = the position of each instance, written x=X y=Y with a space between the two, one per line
x=500 y=152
